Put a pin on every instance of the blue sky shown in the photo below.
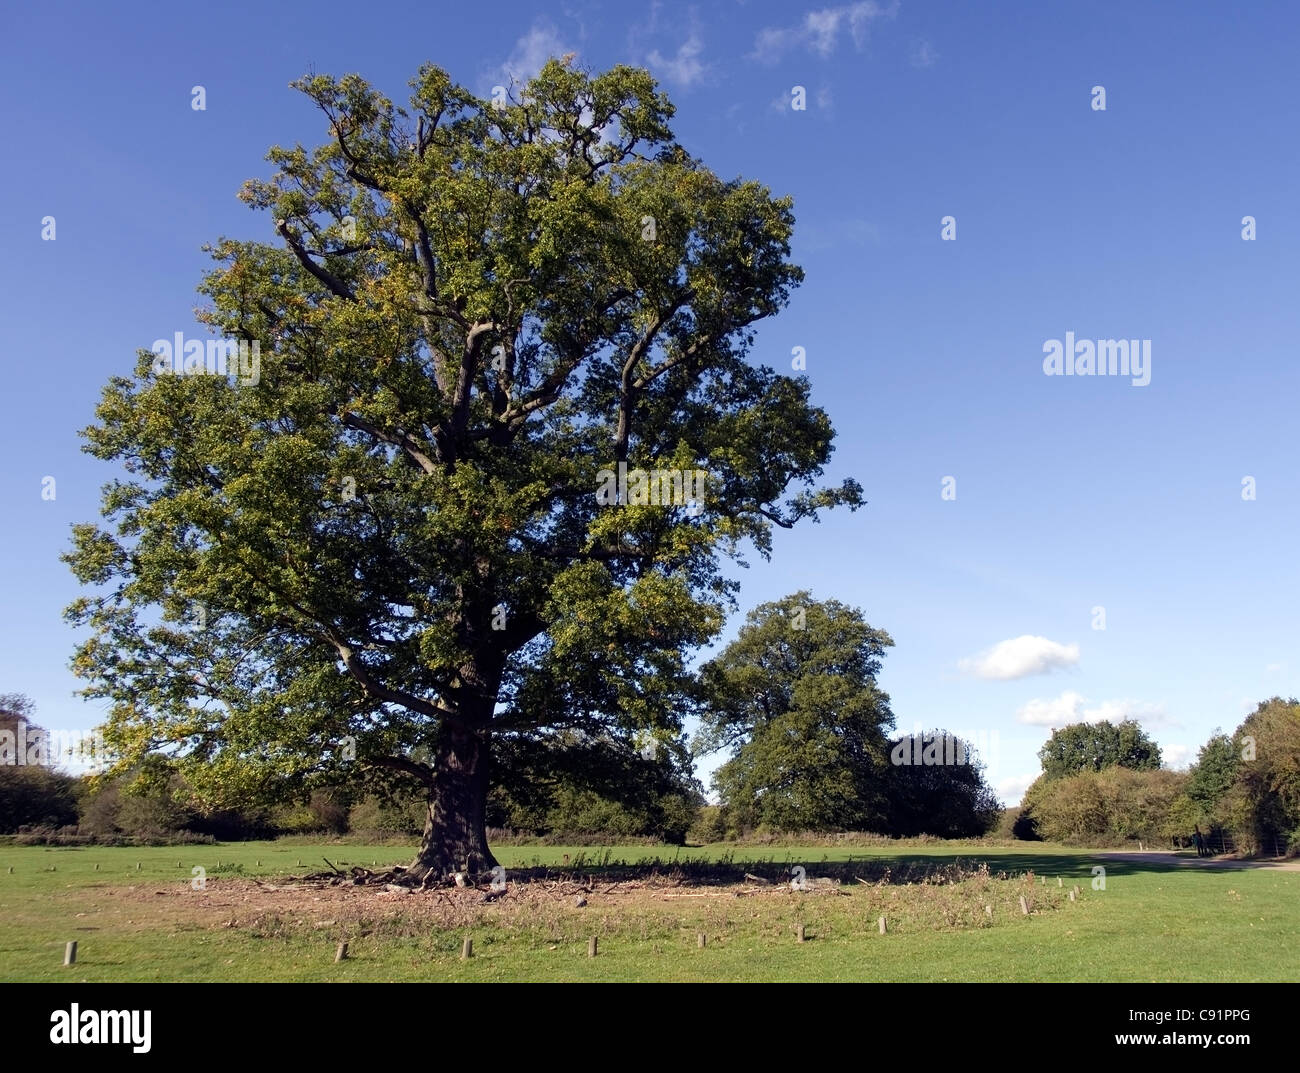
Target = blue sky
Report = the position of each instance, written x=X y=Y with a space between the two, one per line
x=1072 y=493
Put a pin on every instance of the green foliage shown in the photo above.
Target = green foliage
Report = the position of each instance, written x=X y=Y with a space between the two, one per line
x=1264 y=804
x=948 y=800
x=710 y=825
x=394 y=531
x=31 y=795
x=1114 y=805
x=34 y=796
x=1213 y=773
x=794 y=698
x=1093 y=746
x=574 y=785
x=403 y=816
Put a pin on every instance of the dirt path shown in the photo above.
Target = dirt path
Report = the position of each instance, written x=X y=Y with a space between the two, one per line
x=1168 y=857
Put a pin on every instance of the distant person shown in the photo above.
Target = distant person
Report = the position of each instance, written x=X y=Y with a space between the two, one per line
x=1199 y=839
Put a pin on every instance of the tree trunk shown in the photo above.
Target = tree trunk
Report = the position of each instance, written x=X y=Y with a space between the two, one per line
x=455 y=827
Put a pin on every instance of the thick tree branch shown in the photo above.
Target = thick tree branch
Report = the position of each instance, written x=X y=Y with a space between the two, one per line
x=335 y=285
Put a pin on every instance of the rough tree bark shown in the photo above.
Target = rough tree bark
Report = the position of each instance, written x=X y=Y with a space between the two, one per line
x=455 y=825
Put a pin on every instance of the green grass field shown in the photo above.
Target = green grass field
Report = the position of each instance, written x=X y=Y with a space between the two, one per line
x=1153 y=922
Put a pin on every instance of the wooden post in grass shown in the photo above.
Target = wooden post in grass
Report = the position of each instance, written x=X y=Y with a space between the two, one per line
x=70 y=953
x=341 y=954
x=1058 y=881
x=881 y=924
x=96 y=868
x=137 y=866
x=467 y=949
x=799 y=936
x=701 y=940
x=1071 y=894
x=593 y=947
x=1024 y=906
x=1076 y=889
x=988 y=911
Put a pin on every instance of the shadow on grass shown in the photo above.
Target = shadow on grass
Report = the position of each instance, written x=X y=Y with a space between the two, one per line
x=900 y=868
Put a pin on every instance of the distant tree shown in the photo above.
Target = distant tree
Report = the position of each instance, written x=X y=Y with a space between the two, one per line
x=1267 y=787
x=34 y=795
x=795 y=700
x=1213 y=774
x=1113 y=805
x=947 y=798
x=1094 y=746
x=594 y=785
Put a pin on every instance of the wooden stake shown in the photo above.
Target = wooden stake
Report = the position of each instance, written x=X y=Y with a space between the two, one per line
x=1058 y=881
x=1024 y=906
x=701 y=940
x=70 y=953
x=799 y=933
x=592 y=947
x=1071 y=894
x=467 y=949
x=881 y=924
x=96 y=868
x=341 y=954
x=988 y=911
x=137 y=866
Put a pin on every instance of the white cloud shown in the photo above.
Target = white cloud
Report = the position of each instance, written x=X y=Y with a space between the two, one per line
x=1177 y=757
x=1021 y=657
x=1116 y=711
x=923 y=54
x=531 y=52
x=684 y=69
x=1012 y=789
x=820 y=30
x=1060 y=712
x=1071 y=707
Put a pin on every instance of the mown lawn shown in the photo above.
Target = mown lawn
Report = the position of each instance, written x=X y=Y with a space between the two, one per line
x=1153 y=922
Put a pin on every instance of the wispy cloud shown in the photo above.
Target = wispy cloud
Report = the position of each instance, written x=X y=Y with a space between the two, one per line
x=683 y=69
x=1116 y=711
x=1177 y=757
x=1021 y=657
x=531 y=52
x=923 y=54
x=820 y=31
x=1071 y=707
x=1056 y=712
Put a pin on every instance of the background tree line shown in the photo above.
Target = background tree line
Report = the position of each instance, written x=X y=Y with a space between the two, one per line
x=1103 y=784
x=811 y=747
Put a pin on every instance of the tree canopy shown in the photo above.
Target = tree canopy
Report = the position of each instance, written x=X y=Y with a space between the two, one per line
x=1094 y=746
x=794 y=698
x=385 y=547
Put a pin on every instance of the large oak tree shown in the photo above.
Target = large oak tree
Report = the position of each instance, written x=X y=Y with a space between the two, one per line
x=389 y=549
